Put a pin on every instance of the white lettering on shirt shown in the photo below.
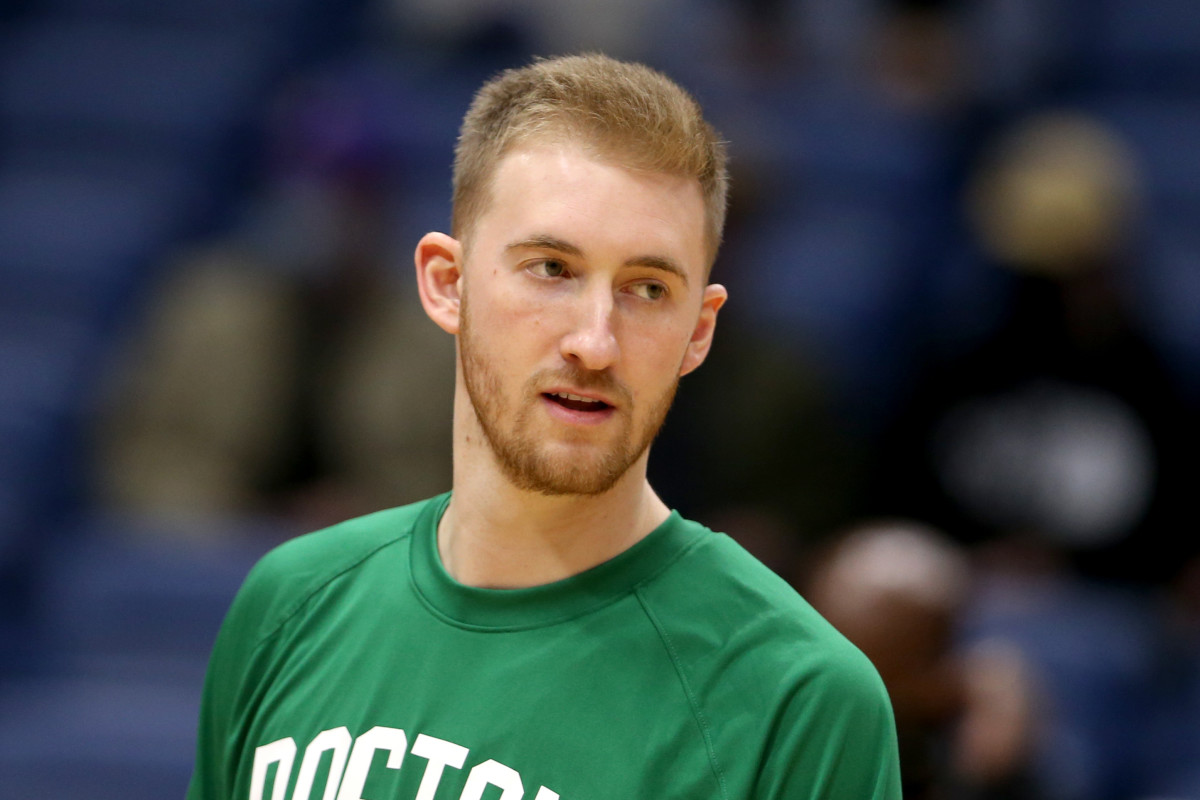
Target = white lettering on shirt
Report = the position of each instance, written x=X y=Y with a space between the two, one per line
x=378 y=738
x=337 y=740
x=440 y=754
x=281 y=753
x=350 y=764
x=493 y=773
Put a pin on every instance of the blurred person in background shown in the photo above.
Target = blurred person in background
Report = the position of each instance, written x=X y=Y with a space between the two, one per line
x=284 y=368
x=968 y=716
x=1059 y=434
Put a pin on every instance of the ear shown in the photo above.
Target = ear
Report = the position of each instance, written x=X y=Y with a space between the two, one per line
x=439 y=278
x=702 y=336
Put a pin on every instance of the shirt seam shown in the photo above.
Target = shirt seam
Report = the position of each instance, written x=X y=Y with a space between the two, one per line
x=307 y=595
x=697 y=713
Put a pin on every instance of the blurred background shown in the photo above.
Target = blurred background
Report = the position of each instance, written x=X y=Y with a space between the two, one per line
x=953 y=397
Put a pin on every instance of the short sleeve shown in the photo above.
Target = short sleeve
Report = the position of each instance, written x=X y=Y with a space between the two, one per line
x=835 y=737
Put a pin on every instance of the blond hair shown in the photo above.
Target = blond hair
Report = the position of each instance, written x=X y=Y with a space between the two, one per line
x=622 y=112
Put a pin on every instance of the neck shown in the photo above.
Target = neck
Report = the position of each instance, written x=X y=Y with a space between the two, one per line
x=495 y=535
x=515 y=539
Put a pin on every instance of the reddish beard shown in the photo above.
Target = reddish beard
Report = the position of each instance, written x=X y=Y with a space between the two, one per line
x=526 y=459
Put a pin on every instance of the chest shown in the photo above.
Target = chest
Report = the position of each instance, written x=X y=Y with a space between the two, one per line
x=399 y=705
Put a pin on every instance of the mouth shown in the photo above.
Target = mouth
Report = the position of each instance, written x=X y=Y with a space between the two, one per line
x=576 y=402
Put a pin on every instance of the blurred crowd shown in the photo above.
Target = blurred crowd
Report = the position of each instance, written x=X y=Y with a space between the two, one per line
x=953 y=397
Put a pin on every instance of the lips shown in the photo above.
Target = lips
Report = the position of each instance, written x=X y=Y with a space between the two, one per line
x=577 y=402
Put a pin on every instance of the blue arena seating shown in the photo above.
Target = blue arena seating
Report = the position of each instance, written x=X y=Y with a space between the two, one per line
x=130 y=611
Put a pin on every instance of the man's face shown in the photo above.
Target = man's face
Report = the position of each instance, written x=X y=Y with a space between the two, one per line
x=583 y=290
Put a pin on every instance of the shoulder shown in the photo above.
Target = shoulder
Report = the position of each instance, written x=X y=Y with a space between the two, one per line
x=720 y=584
x=719 y=598
x=287 y=576
x=787 y=703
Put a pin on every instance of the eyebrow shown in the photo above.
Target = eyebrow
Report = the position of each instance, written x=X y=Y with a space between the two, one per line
x=546 y=242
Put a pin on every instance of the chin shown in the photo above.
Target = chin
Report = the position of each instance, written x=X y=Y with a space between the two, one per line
x=569 y=476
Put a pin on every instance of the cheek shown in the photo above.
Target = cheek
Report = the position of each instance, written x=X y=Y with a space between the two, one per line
x=498 y=314
x=517 y=342
x=515 y=312
x=658 y=365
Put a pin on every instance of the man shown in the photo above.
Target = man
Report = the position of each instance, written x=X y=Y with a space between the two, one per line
x=550 y=628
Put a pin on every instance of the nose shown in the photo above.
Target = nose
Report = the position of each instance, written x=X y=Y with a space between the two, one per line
x=591 y=340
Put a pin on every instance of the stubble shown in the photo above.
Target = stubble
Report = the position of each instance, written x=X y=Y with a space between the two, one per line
x=526 y=459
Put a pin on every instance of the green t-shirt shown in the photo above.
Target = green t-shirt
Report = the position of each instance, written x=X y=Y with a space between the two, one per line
x=352 y=666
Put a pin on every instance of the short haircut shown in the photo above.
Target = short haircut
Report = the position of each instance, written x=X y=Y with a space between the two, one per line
x=625 y=113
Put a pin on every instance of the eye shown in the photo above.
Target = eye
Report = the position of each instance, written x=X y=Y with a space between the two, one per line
x=548 y=268
x=649 y=290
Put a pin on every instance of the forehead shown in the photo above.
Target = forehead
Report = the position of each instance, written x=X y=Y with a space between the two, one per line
x=571 y=193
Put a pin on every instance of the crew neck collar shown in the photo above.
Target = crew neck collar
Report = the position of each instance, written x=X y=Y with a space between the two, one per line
x=515 y=609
